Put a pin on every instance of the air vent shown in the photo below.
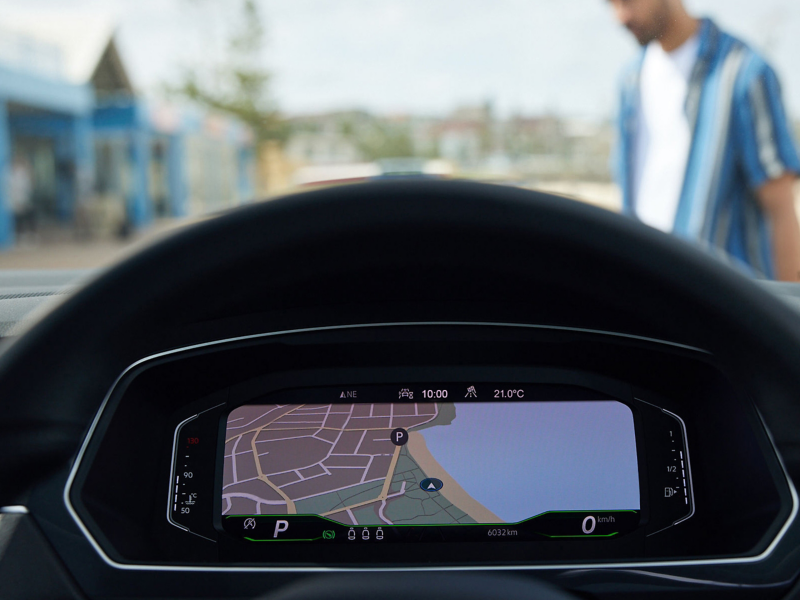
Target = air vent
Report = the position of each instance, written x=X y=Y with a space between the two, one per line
x=28 y=295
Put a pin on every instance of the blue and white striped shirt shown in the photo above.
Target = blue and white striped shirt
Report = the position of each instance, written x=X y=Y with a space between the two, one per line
x=741 y=138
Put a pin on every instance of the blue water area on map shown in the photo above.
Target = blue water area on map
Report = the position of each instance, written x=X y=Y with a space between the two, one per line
x=524 y=458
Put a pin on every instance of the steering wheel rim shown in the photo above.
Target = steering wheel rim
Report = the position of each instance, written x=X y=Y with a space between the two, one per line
x=412 y=229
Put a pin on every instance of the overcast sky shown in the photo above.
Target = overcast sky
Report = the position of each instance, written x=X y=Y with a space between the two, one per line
x=426 y=56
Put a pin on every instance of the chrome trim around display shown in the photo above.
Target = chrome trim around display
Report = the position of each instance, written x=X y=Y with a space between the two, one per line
x=688 y=462
x=172 y=477
x=172 y=489
x=16 y=509
x=242 y=569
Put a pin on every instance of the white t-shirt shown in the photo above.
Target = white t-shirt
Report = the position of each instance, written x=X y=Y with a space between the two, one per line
x=663 y=137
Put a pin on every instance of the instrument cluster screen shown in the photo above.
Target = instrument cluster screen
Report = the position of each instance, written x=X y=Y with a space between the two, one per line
x=410 y=463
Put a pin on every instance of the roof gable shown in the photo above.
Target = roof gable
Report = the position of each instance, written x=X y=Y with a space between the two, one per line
x=85 y=44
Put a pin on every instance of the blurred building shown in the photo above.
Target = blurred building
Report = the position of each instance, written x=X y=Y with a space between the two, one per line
x=527 y=149
x=549 y=148
x=100 y=158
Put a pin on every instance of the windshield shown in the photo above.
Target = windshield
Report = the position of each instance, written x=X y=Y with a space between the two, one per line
x=122 y=121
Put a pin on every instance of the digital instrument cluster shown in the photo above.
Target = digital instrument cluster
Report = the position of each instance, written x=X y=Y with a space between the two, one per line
x=347 y=448
x=417 y=463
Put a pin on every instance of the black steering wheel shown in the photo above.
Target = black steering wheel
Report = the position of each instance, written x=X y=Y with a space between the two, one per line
x=385 y=252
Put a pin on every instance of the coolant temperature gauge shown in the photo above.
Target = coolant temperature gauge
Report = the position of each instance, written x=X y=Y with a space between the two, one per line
x=190 y=499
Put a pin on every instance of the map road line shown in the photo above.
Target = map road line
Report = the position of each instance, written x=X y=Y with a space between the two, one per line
x=384 y=491
x=390 y=473
x=291 y=509
x=258 y=429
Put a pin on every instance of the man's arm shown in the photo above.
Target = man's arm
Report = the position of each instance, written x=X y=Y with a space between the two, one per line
x=777 y=200
x=770 y=161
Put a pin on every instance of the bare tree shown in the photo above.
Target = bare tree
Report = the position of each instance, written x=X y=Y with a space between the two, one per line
x=240 y=83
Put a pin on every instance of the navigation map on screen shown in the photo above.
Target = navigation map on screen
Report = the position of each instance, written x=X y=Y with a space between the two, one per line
x=422 y=463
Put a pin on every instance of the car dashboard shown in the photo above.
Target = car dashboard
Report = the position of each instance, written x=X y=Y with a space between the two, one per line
x=277 y=452
x=599 y=449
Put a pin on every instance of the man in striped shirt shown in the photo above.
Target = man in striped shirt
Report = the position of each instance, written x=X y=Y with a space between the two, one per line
x=705 y=147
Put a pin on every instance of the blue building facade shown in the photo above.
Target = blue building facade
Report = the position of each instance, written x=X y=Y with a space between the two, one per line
x=51 y=112
x=100 y=155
